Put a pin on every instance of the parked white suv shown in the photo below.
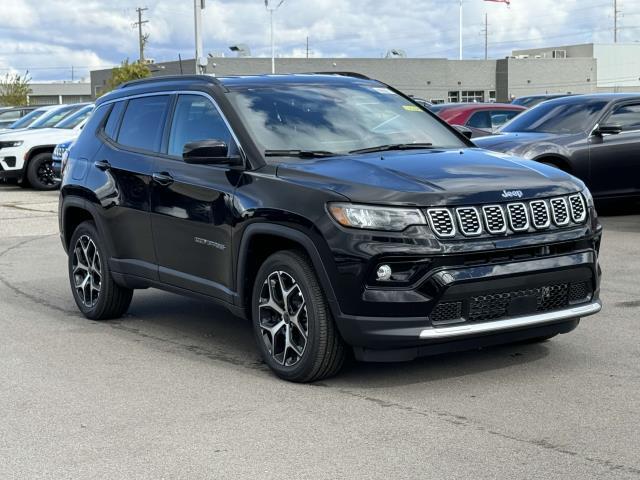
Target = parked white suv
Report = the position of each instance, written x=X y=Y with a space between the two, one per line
x=26 y=154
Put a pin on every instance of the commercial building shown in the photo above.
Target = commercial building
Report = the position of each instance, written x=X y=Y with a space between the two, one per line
x=582 y=69
x=59 y=92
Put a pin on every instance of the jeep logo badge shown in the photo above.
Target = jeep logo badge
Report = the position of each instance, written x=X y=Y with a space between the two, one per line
x=512 y=193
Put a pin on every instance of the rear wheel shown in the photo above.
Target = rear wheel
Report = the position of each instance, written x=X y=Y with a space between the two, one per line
x=292 y=323
x=40 y=172
x=97 y=295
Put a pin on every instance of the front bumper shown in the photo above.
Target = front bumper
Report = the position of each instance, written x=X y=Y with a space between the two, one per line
x=11 y=163
x=516 y=302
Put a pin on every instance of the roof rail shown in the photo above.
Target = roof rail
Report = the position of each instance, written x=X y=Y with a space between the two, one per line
x=344 y=74
x=168 y=78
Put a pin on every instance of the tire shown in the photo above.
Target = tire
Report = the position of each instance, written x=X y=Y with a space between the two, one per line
x=40 y=172
x=97 y=295
x=286 y=286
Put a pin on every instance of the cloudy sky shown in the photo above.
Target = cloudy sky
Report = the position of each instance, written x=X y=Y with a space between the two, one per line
x=48 y=37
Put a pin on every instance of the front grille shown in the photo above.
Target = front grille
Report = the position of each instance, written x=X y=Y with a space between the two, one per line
x=441 y=222
x=578 y=210
x=446 y=312
x=469 y=221
x=560 y=211
x=579 y=292
x=517 y=217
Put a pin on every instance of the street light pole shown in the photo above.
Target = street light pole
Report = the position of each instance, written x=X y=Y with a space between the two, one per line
x=272 y=9
x=198 y=6
x=460 y=30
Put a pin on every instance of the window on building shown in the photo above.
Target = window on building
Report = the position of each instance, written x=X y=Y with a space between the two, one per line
x=453 y=97
x=471 y=96
x=492 y=95
x=196 y=118
x=628 y=116
x=142 y=123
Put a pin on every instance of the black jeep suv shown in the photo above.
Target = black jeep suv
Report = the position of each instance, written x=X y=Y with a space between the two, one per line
x=329 y=209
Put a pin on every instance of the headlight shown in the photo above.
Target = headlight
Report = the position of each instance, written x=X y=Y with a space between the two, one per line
x=375 y=218
x=588 y=197
x=11 y=143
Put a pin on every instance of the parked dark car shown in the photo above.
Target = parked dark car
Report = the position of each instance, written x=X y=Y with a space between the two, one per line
x=531 y=101
x=329 y=210
x=594 y=137
x=481 y=117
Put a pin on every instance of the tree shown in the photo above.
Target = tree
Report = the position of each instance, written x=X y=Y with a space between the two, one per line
x=126 y=72
x=14 y=89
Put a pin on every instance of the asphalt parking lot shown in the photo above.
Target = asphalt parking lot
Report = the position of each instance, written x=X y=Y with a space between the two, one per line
x=176 y=390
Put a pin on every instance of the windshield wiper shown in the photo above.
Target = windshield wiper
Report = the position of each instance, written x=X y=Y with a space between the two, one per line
x=393 y=146
x=299 y=153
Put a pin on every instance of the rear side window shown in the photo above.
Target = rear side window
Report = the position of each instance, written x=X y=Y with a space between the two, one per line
x=500 y=117
x=480 y=120
x=111 y=127
x=142 y=123
x=196 y=118
x=627 y=116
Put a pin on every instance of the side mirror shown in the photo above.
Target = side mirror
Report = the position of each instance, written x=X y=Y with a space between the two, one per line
x=464 y=131
x=209 y=152
x=608 y=129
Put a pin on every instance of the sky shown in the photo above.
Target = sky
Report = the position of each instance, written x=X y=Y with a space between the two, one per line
x=49 y=37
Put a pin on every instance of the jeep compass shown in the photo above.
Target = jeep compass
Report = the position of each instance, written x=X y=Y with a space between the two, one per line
x=330 y=210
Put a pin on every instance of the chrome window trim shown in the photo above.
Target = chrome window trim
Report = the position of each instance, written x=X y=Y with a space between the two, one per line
x=185 y=92
x=453 y=222
x=533 y=216
x=526 y=214
x=504 y=219
x=584 y=208
x=553 y=210
x=462 y=230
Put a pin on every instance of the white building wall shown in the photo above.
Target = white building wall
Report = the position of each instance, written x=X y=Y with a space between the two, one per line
x=618 y=65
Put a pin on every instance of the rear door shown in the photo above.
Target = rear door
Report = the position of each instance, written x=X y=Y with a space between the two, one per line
x=615 y=159
x=133 y=138
x=192 y=204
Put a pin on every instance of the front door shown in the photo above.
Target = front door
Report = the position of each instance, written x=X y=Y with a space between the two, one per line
x=615 y=159
x=192 y=205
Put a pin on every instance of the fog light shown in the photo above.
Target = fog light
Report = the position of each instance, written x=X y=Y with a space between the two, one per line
x=384 y=272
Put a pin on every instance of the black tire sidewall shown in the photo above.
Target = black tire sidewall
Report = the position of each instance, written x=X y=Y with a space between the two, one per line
x=32 y=172
x=283 y=261
x=89 y=229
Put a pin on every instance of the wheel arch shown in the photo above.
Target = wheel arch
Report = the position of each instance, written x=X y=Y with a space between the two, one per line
x=74 y=211
x=259 y=241
x=32 y=153
x=557 y=160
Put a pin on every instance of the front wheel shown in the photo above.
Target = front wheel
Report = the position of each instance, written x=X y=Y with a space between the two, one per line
x=97 y=295
x=40 y=172
x=292 y=323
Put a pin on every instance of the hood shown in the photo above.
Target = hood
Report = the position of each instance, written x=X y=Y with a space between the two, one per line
x=41 y=135
x=431 y=177
x=513 y=141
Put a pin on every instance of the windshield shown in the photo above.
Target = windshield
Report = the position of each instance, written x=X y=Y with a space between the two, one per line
x=336 y=118
x=553 y=117
x=52 y=117
x=27 y=120
x=76 y=118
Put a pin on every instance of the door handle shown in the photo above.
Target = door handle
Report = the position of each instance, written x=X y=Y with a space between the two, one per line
x=103 y=165
x=162 y=178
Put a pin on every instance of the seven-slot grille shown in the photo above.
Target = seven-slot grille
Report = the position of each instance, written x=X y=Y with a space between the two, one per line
x=515 y=217
x=469 y=221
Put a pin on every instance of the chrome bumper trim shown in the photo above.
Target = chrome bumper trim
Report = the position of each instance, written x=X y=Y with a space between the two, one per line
x=517 y=322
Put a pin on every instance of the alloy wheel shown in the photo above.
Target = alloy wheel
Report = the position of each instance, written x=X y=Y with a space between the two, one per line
x=283 y=318
x=45 y=174
x=87 y=271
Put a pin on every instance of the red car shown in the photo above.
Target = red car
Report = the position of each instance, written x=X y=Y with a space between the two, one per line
x=485 y=117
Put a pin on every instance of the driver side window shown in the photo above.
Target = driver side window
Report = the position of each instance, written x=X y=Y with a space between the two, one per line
x=196 y=118
x=628 y=116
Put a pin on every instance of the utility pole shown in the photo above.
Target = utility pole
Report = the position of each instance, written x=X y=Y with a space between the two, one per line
x=307 y=46
x=460 y=31
x=142 y=39
x=616 y=12
x=198 y=6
